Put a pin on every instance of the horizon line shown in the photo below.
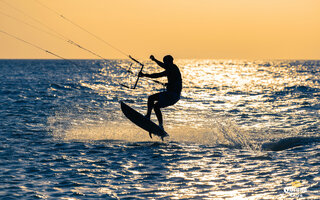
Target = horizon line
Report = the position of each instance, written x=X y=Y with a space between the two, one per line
x=177 y=58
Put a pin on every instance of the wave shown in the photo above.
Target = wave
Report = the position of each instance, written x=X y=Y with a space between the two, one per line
x=288 y=143
x=298 y=89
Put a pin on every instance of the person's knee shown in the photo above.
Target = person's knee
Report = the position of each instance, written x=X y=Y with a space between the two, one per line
x=151 y=98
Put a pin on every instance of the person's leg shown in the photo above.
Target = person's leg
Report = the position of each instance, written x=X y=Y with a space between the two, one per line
x=151 y=100
x=158 y=114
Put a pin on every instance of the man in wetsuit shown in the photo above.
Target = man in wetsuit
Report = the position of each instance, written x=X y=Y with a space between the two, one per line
x=174 y=87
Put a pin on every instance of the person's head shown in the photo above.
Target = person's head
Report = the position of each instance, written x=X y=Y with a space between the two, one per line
x=168 y=59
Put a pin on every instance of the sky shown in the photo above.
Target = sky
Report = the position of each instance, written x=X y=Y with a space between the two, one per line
x=195 y=29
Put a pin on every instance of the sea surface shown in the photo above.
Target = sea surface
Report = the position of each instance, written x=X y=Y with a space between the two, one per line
x=63 y=135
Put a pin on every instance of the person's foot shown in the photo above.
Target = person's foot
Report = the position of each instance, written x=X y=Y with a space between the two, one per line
x=147 y=116
x=150 y=135
x=161 y=126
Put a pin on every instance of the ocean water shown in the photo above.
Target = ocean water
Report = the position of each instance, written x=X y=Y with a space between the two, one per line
x=242 y=130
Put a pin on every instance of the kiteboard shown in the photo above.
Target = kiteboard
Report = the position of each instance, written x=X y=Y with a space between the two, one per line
x=143 y=122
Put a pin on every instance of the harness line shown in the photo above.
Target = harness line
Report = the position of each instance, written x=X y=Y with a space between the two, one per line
x=56 y=34
x=53 y=32
x=98 y=38
x=36 y=46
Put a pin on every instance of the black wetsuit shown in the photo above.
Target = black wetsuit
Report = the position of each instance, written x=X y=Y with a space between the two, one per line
x=174 y=79
x=174 y=85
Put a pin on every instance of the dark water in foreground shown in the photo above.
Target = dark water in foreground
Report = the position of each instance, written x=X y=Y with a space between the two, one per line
x=63 y=135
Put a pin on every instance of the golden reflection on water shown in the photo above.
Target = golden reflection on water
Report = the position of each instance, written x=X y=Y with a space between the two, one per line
x=210 y=87
x=234 y=76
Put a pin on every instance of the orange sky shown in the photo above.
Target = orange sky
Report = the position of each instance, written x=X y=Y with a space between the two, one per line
x=228 y=29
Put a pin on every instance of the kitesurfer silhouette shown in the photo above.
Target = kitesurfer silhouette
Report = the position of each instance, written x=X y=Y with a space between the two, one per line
x=173 y=87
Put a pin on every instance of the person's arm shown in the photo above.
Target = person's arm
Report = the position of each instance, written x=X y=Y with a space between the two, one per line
x=161 y=64
x=154 y=75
